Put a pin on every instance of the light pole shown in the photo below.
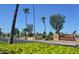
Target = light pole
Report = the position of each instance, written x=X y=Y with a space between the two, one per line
x=34 y=17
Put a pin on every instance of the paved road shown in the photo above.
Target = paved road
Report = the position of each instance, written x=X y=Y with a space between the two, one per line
x=14 y=40
x=43 y=41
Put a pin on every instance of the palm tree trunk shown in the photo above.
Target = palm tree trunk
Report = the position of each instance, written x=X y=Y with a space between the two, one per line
x=26 y=20
x=13 y=24
x=34 y=18
x=45 y=26
x=57 y=32
x=26 y=26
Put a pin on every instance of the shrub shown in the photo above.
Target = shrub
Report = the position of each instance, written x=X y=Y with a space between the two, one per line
x=50 y=37
x=36 y=48
x=38 y=37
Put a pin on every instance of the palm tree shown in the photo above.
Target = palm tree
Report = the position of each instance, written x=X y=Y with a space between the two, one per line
x=13 y=24
x=26 y=11
x=57 y=21
x=34 y=17
x=43 y=20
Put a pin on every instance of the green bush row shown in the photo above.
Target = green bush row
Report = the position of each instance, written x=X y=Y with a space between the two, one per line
x=36 y=48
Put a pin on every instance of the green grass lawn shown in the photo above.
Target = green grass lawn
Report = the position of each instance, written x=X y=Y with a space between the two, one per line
x=36 y=48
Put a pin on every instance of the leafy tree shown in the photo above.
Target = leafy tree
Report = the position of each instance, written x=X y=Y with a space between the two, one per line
x=24 y=31
x=38 y=34
x=16 y=32
x=13 y=24
x=8 y=34
x=77 y=35
x=29 y=29
x=50 y=33
x=44 y=34
x=63 y=34
x=57 y=21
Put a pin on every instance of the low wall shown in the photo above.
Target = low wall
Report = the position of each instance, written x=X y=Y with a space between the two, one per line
x=66 y=38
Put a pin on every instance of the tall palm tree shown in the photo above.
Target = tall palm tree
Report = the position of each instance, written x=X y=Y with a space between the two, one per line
x=13 y=24
x=34 y=17
x=26 y=11
x=43 y=20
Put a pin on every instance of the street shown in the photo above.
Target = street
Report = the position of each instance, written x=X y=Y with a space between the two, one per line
x=67 y=43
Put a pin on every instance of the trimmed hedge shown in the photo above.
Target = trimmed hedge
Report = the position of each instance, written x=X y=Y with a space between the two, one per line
x=36 y=48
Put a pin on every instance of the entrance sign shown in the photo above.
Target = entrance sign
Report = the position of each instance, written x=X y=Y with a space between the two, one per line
x=69 y=37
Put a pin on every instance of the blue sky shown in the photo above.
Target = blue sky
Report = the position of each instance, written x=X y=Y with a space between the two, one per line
x=70 y=11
